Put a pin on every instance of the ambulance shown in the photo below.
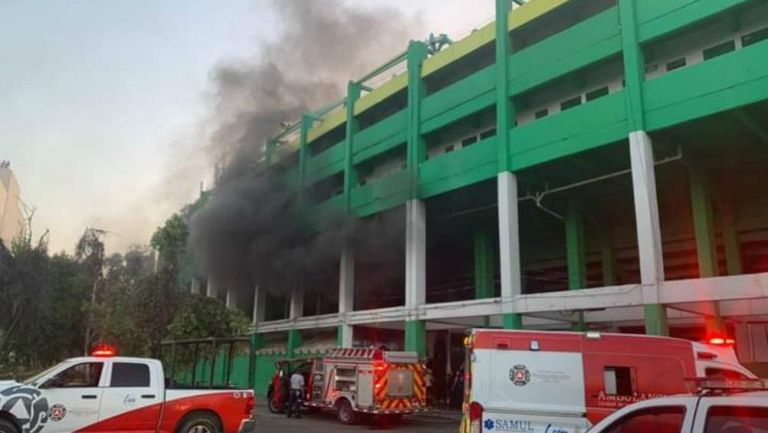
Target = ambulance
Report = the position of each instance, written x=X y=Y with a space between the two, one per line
x=105 y=393
x=359 y=382
x=565 y=382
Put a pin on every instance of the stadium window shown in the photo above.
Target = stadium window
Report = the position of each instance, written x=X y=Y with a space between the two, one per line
x=488 y=133
x=676 y=64
x=542 y=113
x=449 y=149
x=469 y=141
x=754 y=37
x=570 y=103
x=719 y=50
x=598 y=93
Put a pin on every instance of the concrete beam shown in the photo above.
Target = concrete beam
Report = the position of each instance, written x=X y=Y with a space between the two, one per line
x=753 y=288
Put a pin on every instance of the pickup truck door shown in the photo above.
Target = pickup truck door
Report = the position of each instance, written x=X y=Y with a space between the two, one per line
x=733 y=413
x=669 y=415
x=133 y=397
x=74 y=396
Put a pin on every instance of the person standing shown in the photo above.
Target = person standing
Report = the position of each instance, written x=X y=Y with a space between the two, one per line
x=296 y=394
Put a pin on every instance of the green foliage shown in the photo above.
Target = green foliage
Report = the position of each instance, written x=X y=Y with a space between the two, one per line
x=51 y=305
x=170 y=241
x=202 y=317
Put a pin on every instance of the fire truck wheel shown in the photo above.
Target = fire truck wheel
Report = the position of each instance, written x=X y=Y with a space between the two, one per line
x=273 y=405
x=200 y=422
x=345 y=413
x=6 y=426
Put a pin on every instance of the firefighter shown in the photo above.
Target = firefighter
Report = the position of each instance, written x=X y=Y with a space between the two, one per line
x=296 y=393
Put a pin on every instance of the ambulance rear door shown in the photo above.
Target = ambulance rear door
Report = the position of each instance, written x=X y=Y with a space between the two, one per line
x=529 y=390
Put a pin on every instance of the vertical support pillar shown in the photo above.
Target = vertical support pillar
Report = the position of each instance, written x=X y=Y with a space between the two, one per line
x=509 y=247
x=576 y=254
x=415 y=274
x=643 y=174
x=416 y=152
x=350 y=174
x=306 y=124
x=212 y=290
x=607 y=259
x=731 y=237
x=346 y=296
x=416 y=230
x=575 y=247
x=296 y=310
x=509 y=231
x=231 y=299
x=195 y=286
x=484 y=266
x=268 y=151
x=706 y=247
x=259 y=304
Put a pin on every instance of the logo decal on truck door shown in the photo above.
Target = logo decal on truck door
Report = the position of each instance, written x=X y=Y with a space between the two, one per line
x=57 y=412
x=519 y=375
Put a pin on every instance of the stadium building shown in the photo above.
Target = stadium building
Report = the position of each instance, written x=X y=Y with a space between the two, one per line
x=576 y=164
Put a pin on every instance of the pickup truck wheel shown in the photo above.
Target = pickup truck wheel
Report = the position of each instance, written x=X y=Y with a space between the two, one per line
x=7 y=426
x=200 y=423
x=345 y=413
x=273 y=405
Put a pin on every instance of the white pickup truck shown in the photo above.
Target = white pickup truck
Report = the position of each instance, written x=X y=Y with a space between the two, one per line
x=721 y=411
x=117 y=394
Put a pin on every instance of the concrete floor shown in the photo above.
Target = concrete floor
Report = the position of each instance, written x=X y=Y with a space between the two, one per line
x=431 y=422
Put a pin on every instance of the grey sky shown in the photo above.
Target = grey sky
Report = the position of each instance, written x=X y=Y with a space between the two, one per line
x=97 y=99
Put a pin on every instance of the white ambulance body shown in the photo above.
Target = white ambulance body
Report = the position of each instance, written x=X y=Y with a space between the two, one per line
x=564 y=382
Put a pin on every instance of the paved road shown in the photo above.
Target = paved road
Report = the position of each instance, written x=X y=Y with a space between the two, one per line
x=432 y=422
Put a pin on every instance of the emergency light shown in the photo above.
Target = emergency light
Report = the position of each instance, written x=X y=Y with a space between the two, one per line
x=104 y=351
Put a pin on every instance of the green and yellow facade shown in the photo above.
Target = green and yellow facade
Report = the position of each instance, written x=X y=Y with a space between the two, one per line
x=576 y=164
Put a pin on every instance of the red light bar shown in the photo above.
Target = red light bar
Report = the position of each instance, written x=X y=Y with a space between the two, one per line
x=721 y=341
x=103 y=351
x=721 y=384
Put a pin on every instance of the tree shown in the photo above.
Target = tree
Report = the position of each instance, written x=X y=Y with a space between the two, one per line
x=170 y=242
x=202 y=317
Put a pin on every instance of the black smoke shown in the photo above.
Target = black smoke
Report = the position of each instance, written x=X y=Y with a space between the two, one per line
x=254 y=230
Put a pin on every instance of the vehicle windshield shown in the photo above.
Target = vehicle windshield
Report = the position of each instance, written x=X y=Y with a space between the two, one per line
x=34 y=379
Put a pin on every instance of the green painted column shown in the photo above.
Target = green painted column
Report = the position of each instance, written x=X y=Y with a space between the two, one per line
x=505 y=109
x=417 y=149
x=306 y=124
x=352 y=125
x=257 y=342
x=294 y=342
x=484 y=264
x=643 y=175
x=706 y=246
x=731 y=237
x=576 y=255
x=608 y=259
x=509 y=255
x=268 y=154
x=416 y=337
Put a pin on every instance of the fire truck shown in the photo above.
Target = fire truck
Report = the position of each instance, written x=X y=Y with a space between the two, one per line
x=358 y=383
x=542 y=382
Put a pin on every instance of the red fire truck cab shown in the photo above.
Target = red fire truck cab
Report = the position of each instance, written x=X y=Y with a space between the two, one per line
x=567 y=381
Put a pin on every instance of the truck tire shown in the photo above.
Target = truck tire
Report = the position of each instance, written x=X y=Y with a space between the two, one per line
x=6 y=426
x=200 y=422
x=272 y=405
x=345 y=413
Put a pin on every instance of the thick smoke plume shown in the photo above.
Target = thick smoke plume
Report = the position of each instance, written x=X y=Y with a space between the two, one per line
x=253 y=230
